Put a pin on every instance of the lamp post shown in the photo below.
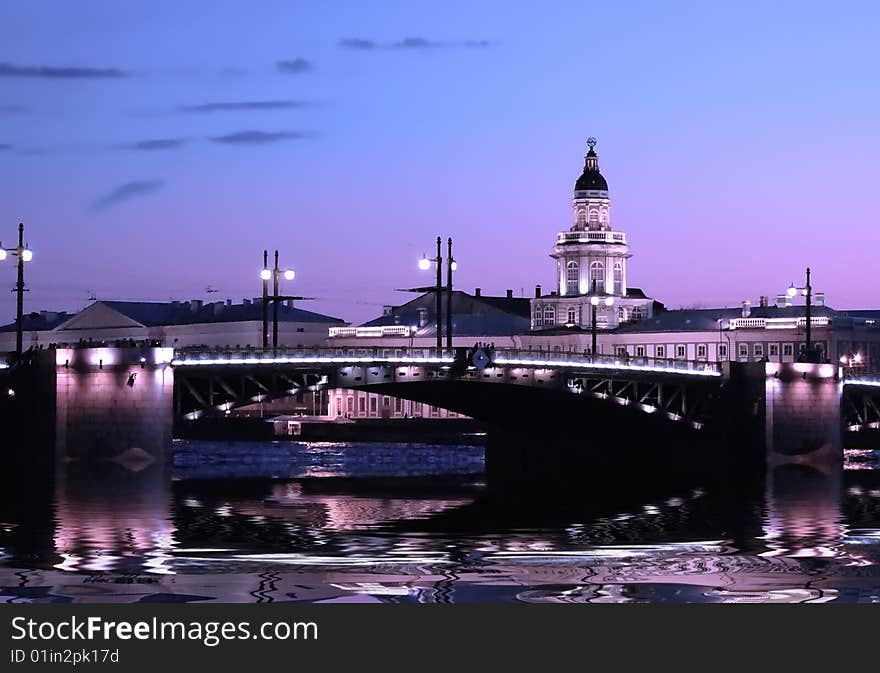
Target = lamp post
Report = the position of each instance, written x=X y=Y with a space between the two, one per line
x=594 y=305
x=289 y=274
x=265 y=275
x=424 y=265
x=451 y=266
x=275 y=274
x=24 y=254
x=808 y=354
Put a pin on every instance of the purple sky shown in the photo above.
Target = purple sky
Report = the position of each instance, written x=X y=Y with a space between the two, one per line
x=154 y=149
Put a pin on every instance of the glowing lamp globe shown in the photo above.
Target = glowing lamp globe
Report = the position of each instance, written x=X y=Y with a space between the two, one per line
x=265 y=274
x=290 y=274
x=424 y=264
x=27 y=255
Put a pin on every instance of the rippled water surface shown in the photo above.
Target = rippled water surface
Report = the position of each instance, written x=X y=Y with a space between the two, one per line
x=343 y=522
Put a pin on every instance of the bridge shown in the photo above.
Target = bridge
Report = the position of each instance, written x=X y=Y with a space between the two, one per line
x=118 y=403
x=210 y=382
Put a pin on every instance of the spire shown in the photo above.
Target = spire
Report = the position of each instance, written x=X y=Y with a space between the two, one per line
x=591 y=179
x=592 y=159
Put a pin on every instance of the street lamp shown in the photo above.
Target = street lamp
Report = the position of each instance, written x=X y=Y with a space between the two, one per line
x=275 y=275
x=808 y=355
x=451 y=265
x=425 y=265
x=24 y=254
x=595 y=300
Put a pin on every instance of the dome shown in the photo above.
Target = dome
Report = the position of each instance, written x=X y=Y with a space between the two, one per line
x=591 y=178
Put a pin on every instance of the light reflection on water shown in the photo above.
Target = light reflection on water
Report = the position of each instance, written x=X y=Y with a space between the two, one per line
x=803 y=536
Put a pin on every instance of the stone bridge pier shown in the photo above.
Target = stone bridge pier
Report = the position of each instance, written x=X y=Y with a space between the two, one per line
x=114 y=406
x=803 y=414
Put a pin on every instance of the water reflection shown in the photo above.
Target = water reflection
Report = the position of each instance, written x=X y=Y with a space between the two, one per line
x=796 y=535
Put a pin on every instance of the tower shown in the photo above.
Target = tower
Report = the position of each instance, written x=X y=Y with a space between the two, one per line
x=591 y=256
x=591 y=259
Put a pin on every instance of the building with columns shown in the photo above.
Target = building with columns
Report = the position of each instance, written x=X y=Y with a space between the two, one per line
x=591 y=264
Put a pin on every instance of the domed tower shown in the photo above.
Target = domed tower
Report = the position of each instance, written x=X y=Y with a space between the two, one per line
x=591 y=256
x=591 y=260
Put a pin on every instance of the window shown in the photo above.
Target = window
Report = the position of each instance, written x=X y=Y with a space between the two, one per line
x=621 y=314
x=339 y=408
x=661 y=351
x=435 y=411
x=701 y=350
x=597 y=276
x=640 y=351
x=398 y=405
x=743 y=350
x=374 y=406
x=759 y=350
x=722 y=351
x=788 y=349
x=549 y=315
x=581 y=218
x=594 y=215
x=572 y=278
x=681 y=351
x=300 y=329
x=621 y=351
x=349 y=404
x=774 y=350
x=572 y=316
x=539 y=316
x=638 y=313
x=618 y=278
x=362 y=405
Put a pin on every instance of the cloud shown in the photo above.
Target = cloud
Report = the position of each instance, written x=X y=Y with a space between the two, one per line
x=259 y=137
x=357 y=43
x=159 y=144
x=411 y=44
x=12 y=109
x=295 y=67
x=63 y=72
x=126 y=191
x=206 y=108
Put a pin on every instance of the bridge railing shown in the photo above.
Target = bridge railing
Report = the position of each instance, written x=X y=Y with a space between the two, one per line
x=421 y=355
x=526 y=357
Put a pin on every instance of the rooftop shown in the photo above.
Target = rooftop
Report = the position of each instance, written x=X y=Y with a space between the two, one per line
x=472 y=315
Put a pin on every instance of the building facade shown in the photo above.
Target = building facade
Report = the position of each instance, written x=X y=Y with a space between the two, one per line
x=591 y=264
x=178 y=324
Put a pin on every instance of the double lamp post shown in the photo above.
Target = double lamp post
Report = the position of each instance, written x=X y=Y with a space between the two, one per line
x=275 y=275
x=24 y=254
x=451 y=265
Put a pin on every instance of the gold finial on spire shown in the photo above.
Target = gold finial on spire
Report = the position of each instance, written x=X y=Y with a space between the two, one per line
x=591 y=142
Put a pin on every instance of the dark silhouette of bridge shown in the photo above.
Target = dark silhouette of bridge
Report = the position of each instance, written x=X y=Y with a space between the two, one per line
x=522 y=382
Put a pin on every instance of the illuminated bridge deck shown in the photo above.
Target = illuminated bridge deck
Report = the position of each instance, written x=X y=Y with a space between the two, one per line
x=508 y=358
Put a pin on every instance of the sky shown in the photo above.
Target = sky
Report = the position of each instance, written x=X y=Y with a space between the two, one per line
x=154 y=149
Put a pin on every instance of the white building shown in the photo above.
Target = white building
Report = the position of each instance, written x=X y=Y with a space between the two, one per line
x=179 y=324
x=591 y=264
